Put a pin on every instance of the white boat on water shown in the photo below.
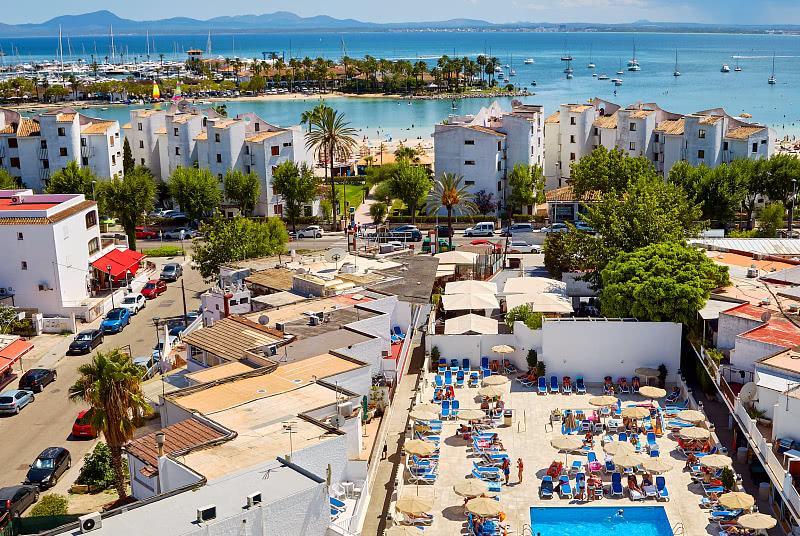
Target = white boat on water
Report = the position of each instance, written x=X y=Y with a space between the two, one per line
x=512 y=73
x=594 y=75
x=603 y=77
x=676 y=72
x=772 y=81
x=570 y=76
x=529 y=61
x=617 y=81
x=633 y=63
x=725 y=69
x=498 y=69
x=737 y=68
x=591 y=63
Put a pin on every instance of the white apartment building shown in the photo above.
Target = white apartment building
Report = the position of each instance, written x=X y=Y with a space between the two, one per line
x=485 y=147
x=34 y=149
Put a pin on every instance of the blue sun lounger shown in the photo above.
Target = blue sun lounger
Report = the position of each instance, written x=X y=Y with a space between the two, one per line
x=546 y=489
x=580 y=387
x=542 y=385
x=554 y=384
x=661 y=486
x=564 y=489
x=616 y=484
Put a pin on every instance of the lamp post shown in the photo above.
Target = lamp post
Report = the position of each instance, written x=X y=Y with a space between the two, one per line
x=156 y=323
x=182 y=248
x=110 y=285
x=791 y=212
x=93 y=183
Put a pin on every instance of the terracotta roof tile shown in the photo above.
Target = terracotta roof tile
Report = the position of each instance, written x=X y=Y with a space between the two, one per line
x=710 y=119
x=232 y=336
x=580 y=108
x=98 y=128
x=28 y=127
x=486 y=130
x=183 y=435
x=201 y=136
x=554 y=118
x=25 y=221
x=126 y=126
x=65 y=118
x=742 y=133
x=67 y=212
x=161 y=131
x=673 y=128
x=608 y=121
x=641 y=114
x=264 y=135
x=565 y=194
x=7 y=130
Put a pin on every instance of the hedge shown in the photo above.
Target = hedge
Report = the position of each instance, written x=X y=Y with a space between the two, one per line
x=519 y=218
x=50 y=505
x=164 y=251
x=442 y=219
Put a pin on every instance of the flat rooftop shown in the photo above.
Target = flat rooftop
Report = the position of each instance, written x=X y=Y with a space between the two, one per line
x=297 y=311
x=225 y=370
x=231 y=337
x=305 y=348
x=788 y=361
x=320 y=366
x=334 y=320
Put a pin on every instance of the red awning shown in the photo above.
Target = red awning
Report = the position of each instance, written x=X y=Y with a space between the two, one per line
x=121 y=261
x=12 y=353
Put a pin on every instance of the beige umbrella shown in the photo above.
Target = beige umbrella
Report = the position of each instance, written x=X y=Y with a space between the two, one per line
x=495 y=379
x=628 y=460
x=428 y=407
x=567 y=442
x=471 y=414
x=418 y=447
x=695 y=433
x=484 y=506
x=617 y=448
x=691 y=415
x=419 y=415
x=657 y=465
x=646 y=371
x=503 y=349
x=472 y=488
x=570 y=421
x=715 y=461
x=491 y=391
x=602 y=401
x=652 y=392
x=757 y=521
x=737 y=500
x=414 y=504
x=636 y=412
x=403 y=530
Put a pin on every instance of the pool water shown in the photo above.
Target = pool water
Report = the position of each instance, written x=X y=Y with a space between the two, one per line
x=600 y=521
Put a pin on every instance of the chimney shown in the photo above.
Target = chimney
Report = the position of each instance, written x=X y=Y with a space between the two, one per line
x=160 y=442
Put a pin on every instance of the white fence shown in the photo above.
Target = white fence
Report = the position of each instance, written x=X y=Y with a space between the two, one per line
x=764 y=448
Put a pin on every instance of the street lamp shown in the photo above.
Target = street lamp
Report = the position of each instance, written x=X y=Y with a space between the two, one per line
x=182 y=248
x=93 y=183
x=110 y=285
x=156 y=322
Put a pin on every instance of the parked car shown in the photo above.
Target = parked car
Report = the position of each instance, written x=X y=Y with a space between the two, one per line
x=485 y=228
x=312 y=231
x=443 y=245
x=83 y=424
x=177 y=332
x=116 y=320
x=16 y=499
x=153 y=288
x=14 y=400
x=86 y=341
x=175 y=234
x=134 y=303
x=407 y=232
x=141 y=232
x=497 y=247
x=583 y=226
x=517 y=228
x=556 y=228
x=173 y=215
x=107 y=220
x=48 y=467
x=443 y=231
x=521 y=246
x=158 y=348
x=37 y=379
x=149 y=366
x=171 y=272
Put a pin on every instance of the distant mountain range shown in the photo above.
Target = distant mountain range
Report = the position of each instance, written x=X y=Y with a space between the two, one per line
x=99 y=22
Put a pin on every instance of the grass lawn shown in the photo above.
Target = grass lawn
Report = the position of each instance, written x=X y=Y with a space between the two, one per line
x=355 y=196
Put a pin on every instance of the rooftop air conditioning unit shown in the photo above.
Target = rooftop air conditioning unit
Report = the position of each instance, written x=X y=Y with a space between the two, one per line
x=280 y=326
x=345 y=408
x=2 y=291
x=90 y=522
x=206 y=513
x=254 y=499
x=315 y=321
x=44 y=286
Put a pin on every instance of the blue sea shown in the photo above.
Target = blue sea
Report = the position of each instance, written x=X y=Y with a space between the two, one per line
x=700 y=57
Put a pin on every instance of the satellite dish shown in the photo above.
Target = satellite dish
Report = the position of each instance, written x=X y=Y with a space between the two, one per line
x=335 y=255
x=765 y=316
x=183 y=106
x=263 y=320
x=748 y=392
x=300 y=270
x=337 y=421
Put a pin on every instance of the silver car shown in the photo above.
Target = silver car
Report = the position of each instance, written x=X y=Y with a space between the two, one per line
x=14 y=400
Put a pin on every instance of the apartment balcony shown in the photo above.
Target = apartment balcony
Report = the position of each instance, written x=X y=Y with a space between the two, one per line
x=2 y=151
x=43 y=153
x=44 y=174
x=657 y=147
x=86 y=151
x=727 y=156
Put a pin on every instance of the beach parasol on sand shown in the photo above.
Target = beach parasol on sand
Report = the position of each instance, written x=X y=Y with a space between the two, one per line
x=628 y=460
x=617 y=448
x=635 y=412
x=736 y=500
x=691 y=415
x=491 y=391
x=652 y=392
x=715 y=461
x=495 y=379
x=419 y=415
x=472 y=488
x=503 y=349
x=418 y=447
x=471 y=414
x=695 y=433
x=484 y=506
x=603 y=401
x=757 y=521
x=657 y=465
x=414 y=504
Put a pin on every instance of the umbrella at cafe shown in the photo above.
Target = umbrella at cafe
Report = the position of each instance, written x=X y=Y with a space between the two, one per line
x=414 y=504
x=420 y=415
x=491 y=391
x=695 y=433
x=652 y=392
x=628 y=460
x=430 y=408
x=647 y=372
x=691 y=415
x=617 y=448
x=736 y=500
x=472 y=488
x=566 y=443
x=503 y=349
x=403 y=530
x=603 y=401
x=636 y=412
x=757 y=521
x=657 y=465
x=418 y=447
x=495 y=379
x=715 y=461
x=471 y=414
x=484 y=506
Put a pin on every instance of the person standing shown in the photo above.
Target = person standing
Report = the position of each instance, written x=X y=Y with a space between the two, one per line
x=520 y=469
x=506 y=469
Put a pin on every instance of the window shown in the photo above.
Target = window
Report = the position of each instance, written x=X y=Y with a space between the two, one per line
x=499 y=185
x=247 y=170
x=12 y=143
x=469 y=142
x=142 y=160
x=572 y=138
x=633 y=146
x=91 y=219
x=45 y=164
x=141 y=144
x=111 y=141
x=755 y=146
x=655 y=138
x=499 y=146
x=469 y=183
x=113 y=159
x=246 y=149
x=175 y=130
x=275 y=150
x=499 y=166
x=219 y=157
x=219 y=177
x=24 y=265
x=43 y=144
x=701 y=154
x=139 y=126
x=572 y=121
x=724 y=145
x=594 y=147
x=205 y=122
x=233 y=301
x=287 y=144
x=83 y=142
x=177 y=151
x=572 y=156
x=14 y=162
x=701 y=134
x=763 y=142
x=216 y=137
x=94 y=245
x=243 y=300
x=62 y=131
x=469 y=162
x=257 y=127
x=596 y=131
x=20 y=237
x=84 y=161
x=633 y=127
x=62 y=151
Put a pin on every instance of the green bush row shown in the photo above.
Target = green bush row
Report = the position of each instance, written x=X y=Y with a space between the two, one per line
x=164 y=251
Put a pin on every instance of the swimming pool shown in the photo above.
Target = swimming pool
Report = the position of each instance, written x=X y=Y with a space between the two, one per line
x=600 y=521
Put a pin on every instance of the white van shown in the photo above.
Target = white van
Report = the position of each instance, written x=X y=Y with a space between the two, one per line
x=484 y=228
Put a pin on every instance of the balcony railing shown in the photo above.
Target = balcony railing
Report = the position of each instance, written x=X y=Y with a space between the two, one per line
x=42 y=153
x=656 y=146
x=44 y=174
x=87 y=151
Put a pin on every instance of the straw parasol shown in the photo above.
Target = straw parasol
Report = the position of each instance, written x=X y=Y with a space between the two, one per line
x=657 y=465
x=617 y=448
x=491 y=391
x=403 y=530
x=495 y=379
x=736 y=500
x=472 y=488
x=419 y=415
x=715 y=461
x=503 y=349
x=636 y=412
x=652 y=392
x=602 y=401
x=484 y=506
x=418 y=447
x=566 y=442
x=628 y=460
x=471 y=414
x=414 y=504
x=695 y=433
x=691 y=415
x=757 y=521
x=430 y=408
x=647 y=372
x=570 y=421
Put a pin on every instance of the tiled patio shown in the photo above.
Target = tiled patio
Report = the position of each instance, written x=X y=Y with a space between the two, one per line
x=529 y=438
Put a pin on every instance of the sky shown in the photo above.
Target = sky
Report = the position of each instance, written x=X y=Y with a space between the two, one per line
x=600 y=11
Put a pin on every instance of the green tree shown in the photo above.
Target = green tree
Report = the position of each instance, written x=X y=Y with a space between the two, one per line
x=128 y=163
x=407 y=153
x=411 y=185
x=770 y=219
x=111 y=385
x=755 y=175
x=665 y=282
x=234 y=239
x=196 y=190
x=7 y=182
x=53 y=504
x=451 y=196
x=297 y=186
x=72 y=179
x=607 y=170
x=527 y=186
x=524 y=313
x=781 y=168
x=221 y=110
x=129 y=199
x=562 y=253
x=97 y=469
x=719 y=191
x=485 y=202
x=243 y=190
x=326 y=207
x=8 y=315
x=378 y=212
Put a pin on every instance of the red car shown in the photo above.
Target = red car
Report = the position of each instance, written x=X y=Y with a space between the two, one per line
x=83 y=426
x=497 y=247
x=153 y=288
x=141 y=232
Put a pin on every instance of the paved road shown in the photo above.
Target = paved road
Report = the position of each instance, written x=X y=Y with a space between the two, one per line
x=48 y=420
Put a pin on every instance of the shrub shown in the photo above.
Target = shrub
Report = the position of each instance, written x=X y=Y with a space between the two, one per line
x=50 y=505
x=533 y=358
x=728 y=479
x=164 y=251
x=520 y=218
x=435 y=356
x=540 y=368
x=97 y=469
x=524 y=313
x=432 y=219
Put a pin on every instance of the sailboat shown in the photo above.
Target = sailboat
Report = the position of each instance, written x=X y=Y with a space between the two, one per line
x=772 y=80
x=676 y=72
x=568 y=68
x=633 y=61
x=603 y=77
x=566 y=56
x=620 y=67
x=591 y=63
x=529 y=61
x=512 y=72
x=737 y=68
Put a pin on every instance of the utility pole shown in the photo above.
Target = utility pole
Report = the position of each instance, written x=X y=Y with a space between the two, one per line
x=185 y=317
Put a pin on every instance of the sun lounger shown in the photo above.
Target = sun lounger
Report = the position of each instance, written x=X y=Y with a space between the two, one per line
x=445 y=409
x=454 y=407
x=724 y=515
x=485 y=470
x=650 y=491
x=448 y=377
x=337 y=506
x=542 y=385
x=609 y=466
x=682 y=405
x=460 y=378
x=564 y=489
x=636 y=495
x=442 y=366
x=486 y=477
x=525 y=381
x=623 y=436
x=713 y=489
x=576 y=466
x=672 y=398
x=509 y=367
x=429 y=438
x=651 y=441
x=592 y=463
x=623 y=387
x=567 y=386
x=579 y=385
x=399 y=334
x=580 y=482
x=553 y=384
x=634 y=387
x=473 y=379
x=555 y=469
x=616 y=485
x=422 y=478
x=661 y=486
x=546 y=488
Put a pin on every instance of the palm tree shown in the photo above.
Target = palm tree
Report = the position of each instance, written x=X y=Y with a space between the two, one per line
x=111 y=385
x=331 y=135
x=449 y=194
x=309 y=115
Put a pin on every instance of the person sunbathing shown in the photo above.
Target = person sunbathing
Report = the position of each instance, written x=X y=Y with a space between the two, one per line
x=588 y=440
x=623 y=383
x=632 y=484
x=527 y=375
x=691 y=460
x=496 y=442
x=706 y=447
x=646 y=480
x=635 y=383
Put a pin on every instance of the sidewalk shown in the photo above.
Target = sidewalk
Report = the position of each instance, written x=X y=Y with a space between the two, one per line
x=362 y=215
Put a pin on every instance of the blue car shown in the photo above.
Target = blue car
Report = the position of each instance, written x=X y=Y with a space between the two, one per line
x=116 y=320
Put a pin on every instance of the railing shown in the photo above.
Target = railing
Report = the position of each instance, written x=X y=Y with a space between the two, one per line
x=44 y=174
x=42 y=153
x=2 y=151
x=760 y=444
x=726 y=391
x=87 y=151
x=791 y=493
x=345 y=526
x=656 y=146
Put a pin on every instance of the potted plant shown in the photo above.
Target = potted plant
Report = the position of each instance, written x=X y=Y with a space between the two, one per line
x=533 y=359
x=540 y=368
x=435 y=356
x=758 y=415
x=728 y=479
x=662 y=375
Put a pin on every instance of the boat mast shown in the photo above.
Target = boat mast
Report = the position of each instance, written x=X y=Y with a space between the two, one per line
x=112 y=43
x=148 y=44
x=61 y=49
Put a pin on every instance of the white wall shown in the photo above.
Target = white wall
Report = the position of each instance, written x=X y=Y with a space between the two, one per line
x=748 y=351
x=730 y=326
x=173 y=475
x=785 y=423
x=358 y=380
x=317 y=457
